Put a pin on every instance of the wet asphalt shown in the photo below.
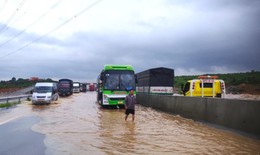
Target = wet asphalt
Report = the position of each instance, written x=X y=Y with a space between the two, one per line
x=17 y=138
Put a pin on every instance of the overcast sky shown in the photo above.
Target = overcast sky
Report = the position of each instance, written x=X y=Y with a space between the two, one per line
x=76 y=38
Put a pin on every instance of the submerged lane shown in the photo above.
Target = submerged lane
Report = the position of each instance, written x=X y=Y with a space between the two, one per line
x=77 y=125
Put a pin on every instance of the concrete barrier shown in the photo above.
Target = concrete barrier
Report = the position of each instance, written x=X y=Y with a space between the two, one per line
x=242 y=115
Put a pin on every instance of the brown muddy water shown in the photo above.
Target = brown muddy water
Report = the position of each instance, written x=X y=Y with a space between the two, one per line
x=77 y=125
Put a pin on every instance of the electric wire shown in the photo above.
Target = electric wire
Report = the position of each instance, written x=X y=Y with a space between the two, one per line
x=5 y=27
x=3 y=6
x=33 y=23
x=54 y=29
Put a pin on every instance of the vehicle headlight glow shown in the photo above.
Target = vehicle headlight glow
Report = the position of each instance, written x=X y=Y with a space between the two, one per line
x=105 y=98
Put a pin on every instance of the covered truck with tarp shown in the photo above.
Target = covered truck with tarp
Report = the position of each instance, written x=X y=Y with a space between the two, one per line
x=65 y=87
x=156 y=81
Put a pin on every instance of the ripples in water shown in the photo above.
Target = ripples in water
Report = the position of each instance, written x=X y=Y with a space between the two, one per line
x=78 y=125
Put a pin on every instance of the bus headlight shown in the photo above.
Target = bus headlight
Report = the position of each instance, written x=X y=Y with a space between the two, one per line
x=105 y=98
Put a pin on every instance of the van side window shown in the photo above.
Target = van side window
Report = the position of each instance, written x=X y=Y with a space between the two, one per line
x=207 y=85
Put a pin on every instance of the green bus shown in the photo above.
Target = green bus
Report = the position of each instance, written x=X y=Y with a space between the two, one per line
x=114 y=84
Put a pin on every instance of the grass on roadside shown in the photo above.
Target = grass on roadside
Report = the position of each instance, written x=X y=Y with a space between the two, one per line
x=9 y=104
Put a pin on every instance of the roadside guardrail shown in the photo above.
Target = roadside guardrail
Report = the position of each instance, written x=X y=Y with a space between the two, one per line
x=13 y=98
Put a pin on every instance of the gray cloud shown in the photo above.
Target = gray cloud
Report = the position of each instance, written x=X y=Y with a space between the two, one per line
x=216 y=37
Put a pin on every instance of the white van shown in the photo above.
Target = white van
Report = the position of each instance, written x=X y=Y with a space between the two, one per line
x=45 y=92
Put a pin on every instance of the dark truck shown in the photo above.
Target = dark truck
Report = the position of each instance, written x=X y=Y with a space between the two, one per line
x=65 y=87
x=155 y=81
x=83 y=87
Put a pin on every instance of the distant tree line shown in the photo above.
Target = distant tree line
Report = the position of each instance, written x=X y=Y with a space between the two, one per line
x=230 y=79
x=21 y=83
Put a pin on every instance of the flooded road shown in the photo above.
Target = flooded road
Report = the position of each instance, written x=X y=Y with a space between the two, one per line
x=77 y=125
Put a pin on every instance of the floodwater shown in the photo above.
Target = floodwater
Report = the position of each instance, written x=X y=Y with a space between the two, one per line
x=77 y=125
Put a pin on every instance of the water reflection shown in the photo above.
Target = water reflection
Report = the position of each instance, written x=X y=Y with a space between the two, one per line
x=129 y=136
x=77 y=125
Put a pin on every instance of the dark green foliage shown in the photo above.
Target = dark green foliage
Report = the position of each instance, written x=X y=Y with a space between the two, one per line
x=252 y=77
x=7 y=105
x=20 y=83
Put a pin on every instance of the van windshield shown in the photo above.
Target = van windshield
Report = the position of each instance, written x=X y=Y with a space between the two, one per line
x=43 y=89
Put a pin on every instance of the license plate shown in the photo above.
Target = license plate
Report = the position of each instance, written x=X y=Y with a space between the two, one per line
x=120 y=102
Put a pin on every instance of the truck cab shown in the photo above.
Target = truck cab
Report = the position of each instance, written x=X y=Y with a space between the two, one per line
x=205 y=86
x=76 y=87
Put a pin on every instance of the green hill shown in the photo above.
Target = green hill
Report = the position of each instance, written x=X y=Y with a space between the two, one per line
x=13 y=84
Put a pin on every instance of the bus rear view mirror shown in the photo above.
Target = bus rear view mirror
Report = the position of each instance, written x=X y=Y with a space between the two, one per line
x=102 y=76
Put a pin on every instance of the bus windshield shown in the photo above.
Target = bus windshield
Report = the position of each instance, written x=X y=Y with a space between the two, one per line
x=119 y=80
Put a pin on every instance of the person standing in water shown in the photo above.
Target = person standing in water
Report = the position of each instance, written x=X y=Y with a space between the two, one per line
x=130 y=102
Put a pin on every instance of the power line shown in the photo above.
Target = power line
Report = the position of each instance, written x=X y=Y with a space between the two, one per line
x=56 y=28
x=3 y=6
x=33 y=23
x=5 y=27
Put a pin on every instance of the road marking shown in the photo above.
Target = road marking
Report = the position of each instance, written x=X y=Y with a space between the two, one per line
x=9 y=120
